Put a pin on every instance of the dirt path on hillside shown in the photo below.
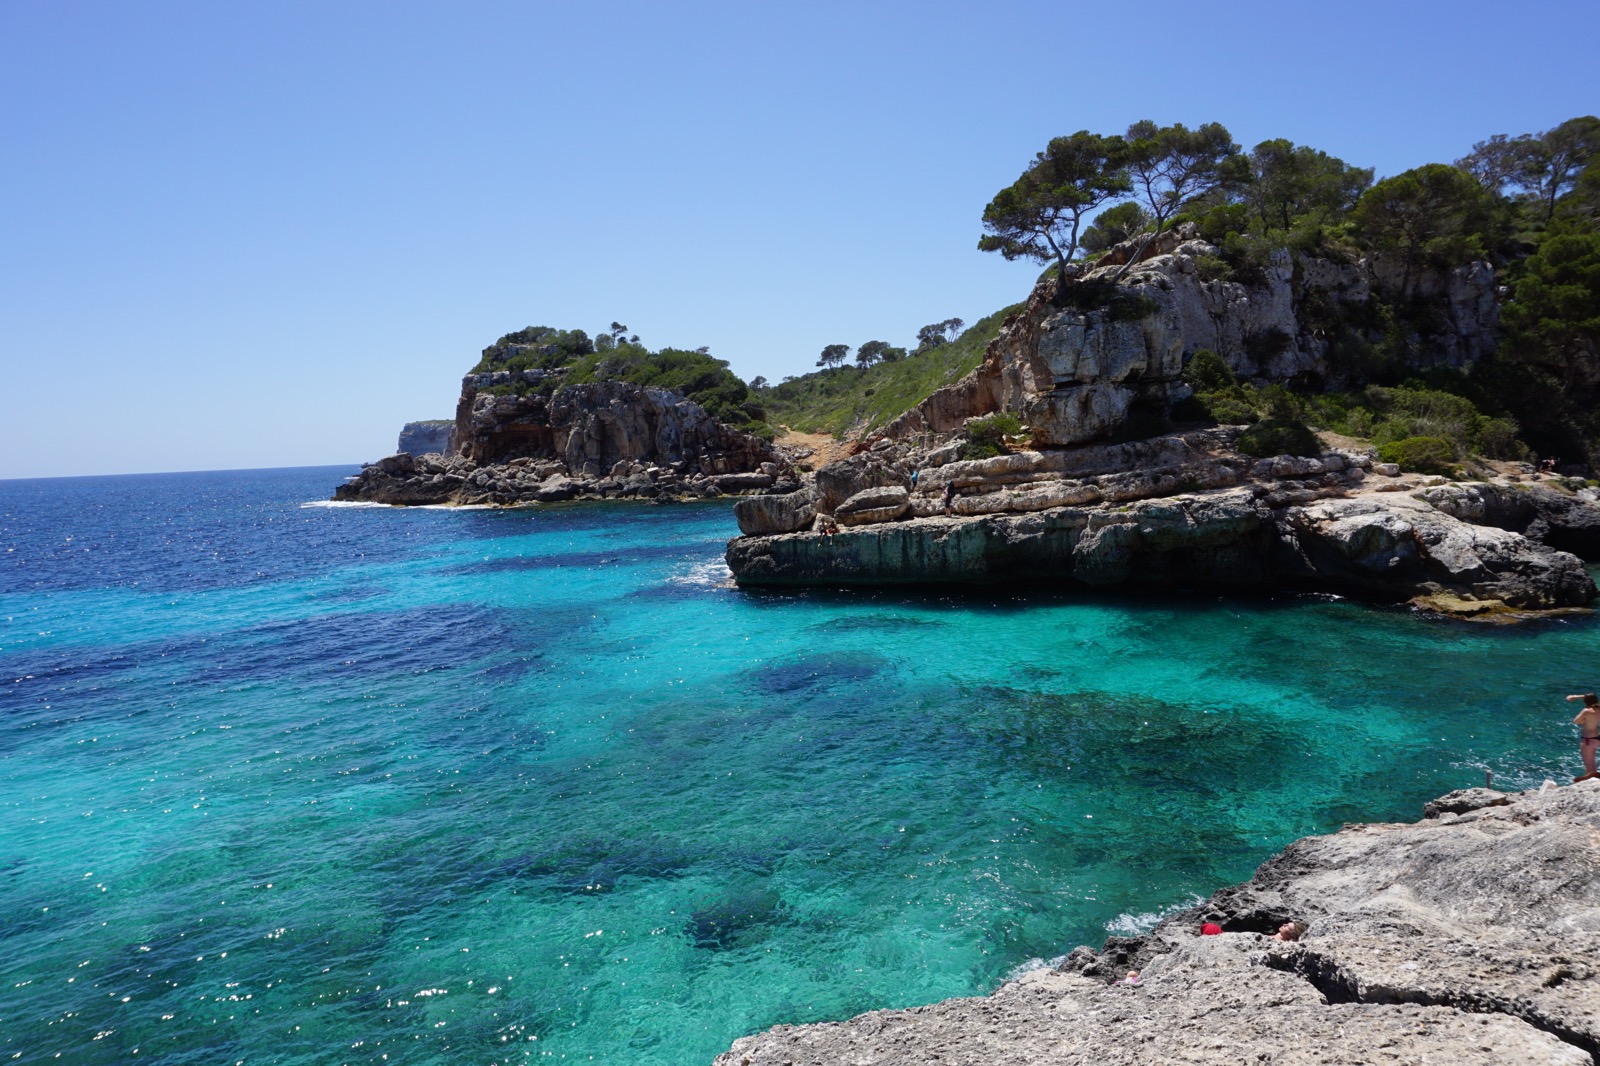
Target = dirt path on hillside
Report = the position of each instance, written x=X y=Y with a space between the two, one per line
x=824 y=448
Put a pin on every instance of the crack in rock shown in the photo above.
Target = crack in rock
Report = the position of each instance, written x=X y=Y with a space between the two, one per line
x=1339 y=986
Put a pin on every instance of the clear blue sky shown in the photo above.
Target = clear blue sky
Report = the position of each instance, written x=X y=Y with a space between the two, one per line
x=242 y=235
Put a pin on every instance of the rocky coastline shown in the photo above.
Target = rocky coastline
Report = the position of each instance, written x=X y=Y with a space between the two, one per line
x=1093 y=360
x=1469 y=937
x=1185 y=510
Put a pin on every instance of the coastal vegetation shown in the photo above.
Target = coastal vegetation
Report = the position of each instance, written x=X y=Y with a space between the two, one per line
x=840 y=399
x=1528 y=204
x=986 y=436
x=570 y=357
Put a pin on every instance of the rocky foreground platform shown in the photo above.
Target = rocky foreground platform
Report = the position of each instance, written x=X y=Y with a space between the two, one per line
x=1182 y=510
x=1471 y=937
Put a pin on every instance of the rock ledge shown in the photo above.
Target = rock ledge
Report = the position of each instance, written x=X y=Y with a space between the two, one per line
x=1185 y=510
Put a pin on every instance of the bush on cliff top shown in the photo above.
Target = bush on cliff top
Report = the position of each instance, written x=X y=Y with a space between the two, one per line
x=535 y=348
x=986 y=436
x=703 y=379
x=698 y=376
x=1279 y=436
x=1421 y=455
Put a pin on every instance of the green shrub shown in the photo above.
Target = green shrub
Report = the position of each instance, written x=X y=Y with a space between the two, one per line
x=1208 y=372
x=1280 y=404
x=1131 y=307
x=1388 y=415
x=1359 y=423
x=1280 y=436
x=1422 y=455
x=1118 y=303
x=1248 y=255
x=1212 y=268
x=704 y=379
x=1235 y=406
x=1231 y=408
x=1497 y=439
x=986 y=435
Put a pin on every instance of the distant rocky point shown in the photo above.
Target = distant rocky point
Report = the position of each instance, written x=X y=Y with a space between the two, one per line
x=1471 y=938
x=421 y=438
x=597 y=440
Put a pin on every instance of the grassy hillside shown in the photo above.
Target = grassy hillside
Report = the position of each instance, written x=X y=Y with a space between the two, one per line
x=833 y=401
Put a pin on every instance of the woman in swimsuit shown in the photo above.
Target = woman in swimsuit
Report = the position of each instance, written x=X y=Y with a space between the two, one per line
x=1588 y=723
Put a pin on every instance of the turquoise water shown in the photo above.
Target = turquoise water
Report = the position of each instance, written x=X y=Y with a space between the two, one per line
x=307 y=784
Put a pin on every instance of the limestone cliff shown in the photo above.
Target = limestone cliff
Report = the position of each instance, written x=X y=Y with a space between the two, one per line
x=592 y=427
x=1080 y=355
x=1467 y=938
x=1186 y=509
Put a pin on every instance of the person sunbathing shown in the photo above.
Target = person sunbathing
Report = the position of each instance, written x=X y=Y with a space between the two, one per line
x=1289 y=932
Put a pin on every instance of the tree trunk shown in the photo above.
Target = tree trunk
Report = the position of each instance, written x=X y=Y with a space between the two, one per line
x=1138 y=254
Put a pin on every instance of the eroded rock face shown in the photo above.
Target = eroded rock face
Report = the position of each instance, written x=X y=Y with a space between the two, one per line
x=605 y=440
x=1561 y=515
x=1074 y=374
x=593 y=427
x=1226 y=540
x=1420 y=948
x=1406 y=541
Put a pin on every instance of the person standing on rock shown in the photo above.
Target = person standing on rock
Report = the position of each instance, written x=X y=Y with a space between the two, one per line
x=1588 y=723
x=949 y=497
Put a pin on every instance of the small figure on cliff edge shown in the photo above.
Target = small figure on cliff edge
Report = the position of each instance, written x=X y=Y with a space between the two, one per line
x=949 y=498
x=829 y=527
x=1588 y=723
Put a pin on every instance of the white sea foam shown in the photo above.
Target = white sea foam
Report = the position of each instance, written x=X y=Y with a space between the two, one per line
x=1016 y=972
x=713 y=573
x=1129 y=924
x=342 y=503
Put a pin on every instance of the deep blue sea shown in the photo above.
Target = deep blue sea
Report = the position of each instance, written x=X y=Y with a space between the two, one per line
x=283 y=782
